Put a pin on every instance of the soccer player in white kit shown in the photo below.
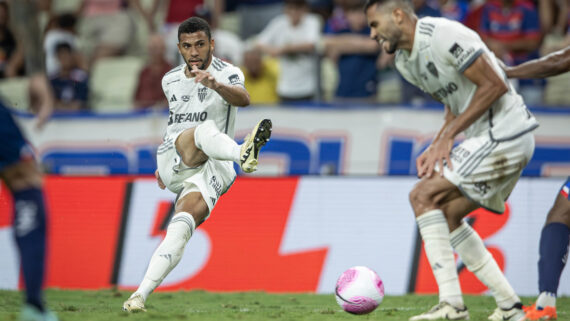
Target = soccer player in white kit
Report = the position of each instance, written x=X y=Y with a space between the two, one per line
x=450 y=62
x=196 y=157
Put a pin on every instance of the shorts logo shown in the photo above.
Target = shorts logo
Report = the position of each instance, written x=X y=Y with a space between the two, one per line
x=482 y=187
x=213 y=200
x=202 y=92
x=217 y=186
x=456 y=50
x=431 y=68
x=185 y=98
x=234 y=79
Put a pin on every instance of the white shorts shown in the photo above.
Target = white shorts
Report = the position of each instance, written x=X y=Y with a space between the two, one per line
x=486 y=171
x=211 y=179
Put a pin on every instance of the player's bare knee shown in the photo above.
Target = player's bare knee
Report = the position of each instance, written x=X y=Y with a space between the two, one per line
x=190 y=154
x=194 y=204
x=420 y=198
x=453 y=222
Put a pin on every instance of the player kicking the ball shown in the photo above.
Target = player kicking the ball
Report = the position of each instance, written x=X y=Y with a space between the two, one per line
x=196 y=157
x=449 y=61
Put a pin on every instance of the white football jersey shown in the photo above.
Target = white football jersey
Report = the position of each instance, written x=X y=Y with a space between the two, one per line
x=192 y=103
x=443 y=49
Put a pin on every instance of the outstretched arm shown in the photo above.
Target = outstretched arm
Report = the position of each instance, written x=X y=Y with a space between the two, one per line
x=550 y=65
x=235 y=95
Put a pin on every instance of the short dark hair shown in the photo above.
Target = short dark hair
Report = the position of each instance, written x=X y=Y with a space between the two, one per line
x=404 y=4
x=296 y=3
x=66 y=21
x=194 y=24
x=352 y=5
x=63 y=46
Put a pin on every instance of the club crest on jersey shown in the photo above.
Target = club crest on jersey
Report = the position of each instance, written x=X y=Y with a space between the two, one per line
x=202 y=92
x=456 y=50
x=431 y=68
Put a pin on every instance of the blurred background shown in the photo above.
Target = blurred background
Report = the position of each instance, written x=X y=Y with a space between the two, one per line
x=107 y=56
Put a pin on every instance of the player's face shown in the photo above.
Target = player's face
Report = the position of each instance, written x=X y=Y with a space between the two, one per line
x=383 y=29
x=295 y=13
x=196 y=49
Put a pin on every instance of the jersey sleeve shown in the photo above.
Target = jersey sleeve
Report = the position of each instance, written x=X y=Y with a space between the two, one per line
x=232 y=76
x=164 y=87
x=457 y=45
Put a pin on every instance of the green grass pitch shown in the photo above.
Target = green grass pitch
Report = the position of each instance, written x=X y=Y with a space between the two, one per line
x=105 y=305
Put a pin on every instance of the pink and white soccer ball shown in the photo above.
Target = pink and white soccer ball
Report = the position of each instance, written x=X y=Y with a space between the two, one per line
x=359 y=290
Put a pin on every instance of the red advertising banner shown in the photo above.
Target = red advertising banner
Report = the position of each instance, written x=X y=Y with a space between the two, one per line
x=287 y=234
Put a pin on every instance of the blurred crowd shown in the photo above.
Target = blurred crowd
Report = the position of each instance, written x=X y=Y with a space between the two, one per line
x=110 y=55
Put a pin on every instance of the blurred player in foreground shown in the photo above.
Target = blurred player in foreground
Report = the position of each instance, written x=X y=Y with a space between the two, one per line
x=196 y=157
x=22 y=176
x=449 y=61
x=555 y=236
x=21 y=173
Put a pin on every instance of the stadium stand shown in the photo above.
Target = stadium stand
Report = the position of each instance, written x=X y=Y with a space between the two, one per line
x=113 y=83
x=14 y=91
x=556 y=90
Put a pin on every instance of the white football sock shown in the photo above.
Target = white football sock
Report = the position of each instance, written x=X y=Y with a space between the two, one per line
x=546 y=299
x=478 y=260
x=168 y=253
x=435 y=233
x=216 y=144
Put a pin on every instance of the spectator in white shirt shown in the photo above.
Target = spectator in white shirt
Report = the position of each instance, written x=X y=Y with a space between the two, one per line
x=292 y=37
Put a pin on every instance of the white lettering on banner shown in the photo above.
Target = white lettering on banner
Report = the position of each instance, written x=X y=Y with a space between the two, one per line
x=304 y=141
x=9 y=264
x=366 y=221
x=370 y=222
x=361 y=221
x=519 y=239
x=139 y=244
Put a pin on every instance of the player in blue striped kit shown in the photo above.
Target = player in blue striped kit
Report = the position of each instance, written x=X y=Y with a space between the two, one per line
x=20 y=173
x=555 y=237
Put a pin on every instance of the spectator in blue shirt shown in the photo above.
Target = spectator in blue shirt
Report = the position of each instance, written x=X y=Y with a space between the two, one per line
x=511 y=29
x=347 y=42
x=70 y=84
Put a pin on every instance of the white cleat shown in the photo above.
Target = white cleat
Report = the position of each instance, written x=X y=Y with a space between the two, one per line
x=134 y=304
x=252 y=144
x=443 y=311
x=515 y=313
